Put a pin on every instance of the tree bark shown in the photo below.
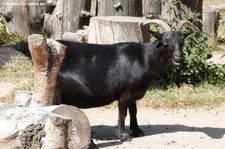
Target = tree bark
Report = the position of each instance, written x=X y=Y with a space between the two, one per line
x=79 y=36
x=23 y=127
x=45 y=127
x=47 y=62
x=114 y=29
x=151 y=8
x=181 y=9
x=119 y=8
x=22 y=16
x=211 y=24
x=66 y=17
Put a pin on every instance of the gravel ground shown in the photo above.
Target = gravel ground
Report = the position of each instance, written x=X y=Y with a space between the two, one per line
x=164 y=129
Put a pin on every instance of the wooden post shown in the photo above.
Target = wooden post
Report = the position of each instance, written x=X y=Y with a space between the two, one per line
x=119 y=8
x=22 y=16
x=66 y=17
x=151 y=8
x=114 y=29
x=211 y=24
x=47 y=61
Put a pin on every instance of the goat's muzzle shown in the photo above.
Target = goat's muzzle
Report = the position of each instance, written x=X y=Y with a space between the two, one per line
x=177 y=60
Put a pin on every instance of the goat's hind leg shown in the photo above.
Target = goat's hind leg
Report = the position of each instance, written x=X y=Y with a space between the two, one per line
x=122 y=107
x=136 y=131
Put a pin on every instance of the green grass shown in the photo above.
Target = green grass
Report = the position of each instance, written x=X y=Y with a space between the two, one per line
x=186 y=96
x=18 y=68
x=215 y=2
x=17 y=71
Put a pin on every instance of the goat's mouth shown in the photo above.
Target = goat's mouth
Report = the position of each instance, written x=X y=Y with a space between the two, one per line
x=176 y=60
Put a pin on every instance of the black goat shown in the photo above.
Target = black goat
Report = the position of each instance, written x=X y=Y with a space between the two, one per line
x=95 y=75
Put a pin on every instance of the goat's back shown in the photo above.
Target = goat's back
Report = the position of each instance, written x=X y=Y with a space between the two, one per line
x=94 y=75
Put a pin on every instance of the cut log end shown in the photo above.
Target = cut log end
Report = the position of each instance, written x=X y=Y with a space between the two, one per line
x=81 y=132
x=45 y=127
x=35 y=40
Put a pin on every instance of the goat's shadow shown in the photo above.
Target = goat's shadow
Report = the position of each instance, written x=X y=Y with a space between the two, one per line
x=104 y=132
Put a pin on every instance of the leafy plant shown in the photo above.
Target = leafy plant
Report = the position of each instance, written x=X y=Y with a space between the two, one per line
x=194 y=69
x=9 y=39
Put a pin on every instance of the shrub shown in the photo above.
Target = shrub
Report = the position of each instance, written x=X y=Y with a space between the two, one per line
x=196 y=51
x=9 y=39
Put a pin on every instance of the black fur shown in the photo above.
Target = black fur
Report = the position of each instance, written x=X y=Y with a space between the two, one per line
x=94 y=75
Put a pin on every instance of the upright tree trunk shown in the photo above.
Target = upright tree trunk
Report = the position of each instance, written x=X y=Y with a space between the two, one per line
x=151 y=8
x=23 y=16
x=119 y=8
x=68 y=16
x=180 y=9
x=211 y=24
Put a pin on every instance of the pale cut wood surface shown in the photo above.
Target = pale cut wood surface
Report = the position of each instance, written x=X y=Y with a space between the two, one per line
x=58 y=126
x=114 y=29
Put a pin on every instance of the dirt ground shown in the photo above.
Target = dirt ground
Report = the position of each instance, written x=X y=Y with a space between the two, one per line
x=164 y=129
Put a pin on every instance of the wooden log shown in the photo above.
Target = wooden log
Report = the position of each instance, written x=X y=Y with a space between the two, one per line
x=66 y=17
x=81 y=130
x=43 y=127
x=211 y=24
x=119 y=8
x=151 y=8
x=23 y=128
x=108 y=30
x=47 y=61
x=23 y=98
x=79 y=36
x=22 y=16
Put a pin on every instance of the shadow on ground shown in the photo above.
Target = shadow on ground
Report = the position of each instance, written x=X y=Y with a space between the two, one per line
x=104 y=132
x=6 y=54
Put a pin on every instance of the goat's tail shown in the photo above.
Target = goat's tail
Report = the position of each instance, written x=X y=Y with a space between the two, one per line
x=22 y=47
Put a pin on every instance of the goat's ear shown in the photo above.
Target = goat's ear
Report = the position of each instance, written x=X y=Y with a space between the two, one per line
x=156 y=34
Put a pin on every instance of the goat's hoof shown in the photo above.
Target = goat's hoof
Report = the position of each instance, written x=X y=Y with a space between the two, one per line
x=137 y=133
x=124 y=136
x=92 y=145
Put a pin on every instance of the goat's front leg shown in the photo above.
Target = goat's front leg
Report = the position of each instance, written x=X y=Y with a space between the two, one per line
x=122 y=107
x=136 y=131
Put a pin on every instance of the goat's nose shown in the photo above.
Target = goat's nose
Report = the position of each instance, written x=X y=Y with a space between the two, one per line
x=177 y=51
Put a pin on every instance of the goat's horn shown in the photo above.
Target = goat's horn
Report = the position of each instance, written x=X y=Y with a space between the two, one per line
x=182 y=23
x=161 y=23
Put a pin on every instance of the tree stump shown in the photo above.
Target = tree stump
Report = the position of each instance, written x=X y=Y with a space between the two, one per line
x=211 y=24
x=114 y=29
x=44 y=127
x=47 y=60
